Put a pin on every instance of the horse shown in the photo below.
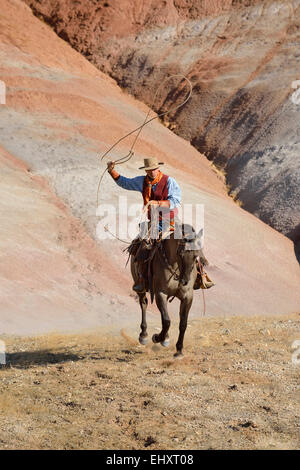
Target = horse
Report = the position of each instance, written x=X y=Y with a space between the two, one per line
x=173 y=274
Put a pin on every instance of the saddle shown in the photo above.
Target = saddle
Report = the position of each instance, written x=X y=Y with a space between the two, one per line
x=143 y=252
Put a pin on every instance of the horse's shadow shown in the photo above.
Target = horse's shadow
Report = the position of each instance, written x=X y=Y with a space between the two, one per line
x=27 y=359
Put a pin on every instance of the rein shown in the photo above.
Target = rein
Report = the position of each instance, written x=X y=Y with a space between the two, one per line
x=180 y=248
x=165 y=258
x=169 y=267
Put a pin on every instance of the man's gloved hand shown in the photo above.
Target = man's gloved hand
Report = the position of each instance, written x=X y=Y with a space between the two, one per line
x=111 y=170
x=159 y=203
x=110 y=166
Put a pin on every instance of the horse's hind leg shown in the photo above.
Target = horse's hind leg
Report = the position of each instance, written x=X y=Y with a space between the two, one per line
x=161 y=302
x=143 y=334
x=185 y=306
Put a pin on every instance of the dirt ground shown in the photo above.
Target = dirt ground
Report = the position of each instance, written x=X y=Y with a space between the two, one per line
x=235 y=388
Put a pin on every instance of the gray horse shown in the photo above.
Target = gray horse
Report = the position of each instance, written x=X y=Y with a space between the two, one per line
x=173 y=274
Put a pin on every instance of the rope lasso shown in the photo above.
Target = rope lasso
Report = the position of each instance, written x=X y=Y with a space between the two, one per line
x=127 y=157
x=125 y=241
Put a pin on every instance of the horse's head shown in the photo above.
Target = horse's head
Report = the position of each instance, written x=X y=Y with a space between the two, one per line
x=189 y=248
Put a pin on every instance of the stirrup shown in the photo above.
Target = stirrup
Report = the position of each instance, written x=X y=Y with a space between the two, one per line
x=203 y=281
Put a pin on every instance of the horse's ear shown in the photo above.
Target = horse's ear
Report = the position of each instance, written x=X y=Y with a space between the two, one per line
x=199 y=239
x=188 y=232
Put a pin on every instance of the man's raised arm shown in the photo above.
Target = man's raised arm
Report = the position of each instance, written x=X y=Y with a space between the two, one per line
x=132 y=184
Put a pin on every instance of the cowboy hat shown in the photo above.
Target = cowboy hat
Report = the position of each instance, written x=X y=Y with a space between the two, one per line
x=150 y=164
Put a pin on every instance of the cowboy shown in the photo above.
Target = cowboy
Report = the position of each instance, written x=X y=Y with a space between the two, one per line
x=158 y=190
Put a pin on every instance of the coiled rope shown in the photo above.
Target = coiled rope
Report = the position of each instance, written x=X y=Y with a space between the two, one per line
x=127 y=157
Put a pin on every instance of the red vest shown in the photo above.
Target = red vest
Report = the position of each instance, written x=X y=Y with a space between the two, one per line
x=161 y=194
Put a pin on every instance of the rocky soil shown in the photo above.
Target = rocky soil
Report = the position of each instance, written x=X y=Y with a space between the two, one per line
x=235 y=388
x=242 y=58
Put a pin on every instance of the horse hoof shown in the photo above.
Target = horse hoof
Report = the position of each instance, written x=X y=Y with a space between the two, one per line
x=178 y=355
x=143 y=340
x=165 y=343
x=155 y=338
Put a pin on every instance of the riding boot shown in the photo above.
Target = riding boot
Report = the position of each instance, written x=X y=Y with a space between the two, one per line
x=203 y=281
x=140 y=285
x=198 y=281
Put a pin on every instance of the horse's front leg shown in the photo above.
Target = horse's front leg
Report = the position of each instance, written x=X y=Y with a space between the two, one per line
x=185 y=306
x=143 y=334
x=163 y=337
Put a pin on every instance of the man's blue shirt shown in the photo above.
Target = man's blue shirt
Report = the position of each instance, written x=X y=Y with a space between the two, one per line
x=136 y=184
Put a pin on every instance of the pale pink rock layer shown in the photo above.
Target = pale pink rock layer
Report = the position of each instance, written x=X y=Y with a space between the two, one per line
x=52 y=275
x=61 y=114
x=242 y=58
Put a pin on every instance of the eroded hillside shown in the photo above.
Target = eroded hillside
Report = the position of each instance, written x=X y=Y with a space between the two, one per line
x=61 y=113
x=242 y=58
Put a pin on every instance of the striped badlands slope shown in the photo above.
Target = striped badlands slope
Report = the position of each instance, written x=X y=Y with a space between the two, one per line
x=60 y=114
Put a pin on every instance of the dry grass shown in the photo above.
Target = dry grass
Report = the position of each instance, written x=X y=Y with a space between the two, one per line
x=220 y=172
x=222 y=175
x=236 y=387
x=234 y=195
